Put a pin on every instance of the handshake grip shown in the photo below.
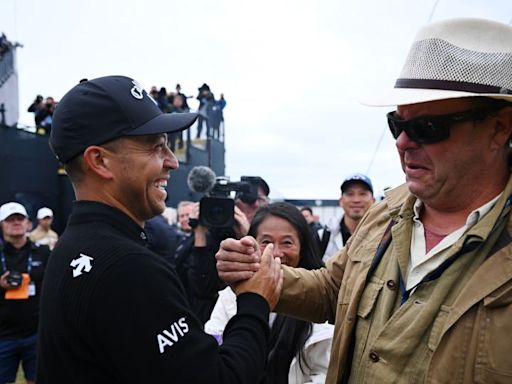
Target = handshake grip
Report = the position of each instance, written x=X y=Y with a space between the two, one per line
x=267 y=281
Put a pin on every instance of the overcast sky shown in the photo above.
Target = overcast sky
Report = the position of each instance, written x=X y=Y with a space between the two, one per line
x=291 y=71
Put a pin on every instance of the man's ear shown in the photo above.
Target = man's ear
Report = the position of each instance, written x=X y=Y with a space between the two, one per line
x=98 y=160
x=503 y=128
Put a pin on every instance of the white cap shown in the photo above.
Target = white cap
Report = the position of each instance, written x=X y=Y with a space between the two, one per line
x=44 y=212
x=12 y=208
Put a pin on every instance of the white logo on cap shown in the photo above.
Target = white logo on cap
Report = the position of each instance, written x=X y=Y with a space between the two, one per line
x=137 y=90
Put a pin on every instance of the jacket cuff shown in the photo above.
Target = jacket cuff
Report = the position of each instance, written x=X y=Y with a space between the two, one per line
x=253 y=304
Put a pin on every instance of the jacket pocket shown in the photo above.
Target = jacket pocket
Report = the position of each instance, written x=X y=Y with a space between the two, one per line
x=494 y=362
x=489 y=376
x=500 y=297
x=369 y=297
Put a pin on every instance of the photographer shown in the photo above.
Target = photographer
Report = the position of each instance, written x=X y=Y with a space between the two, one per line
x=22 y=268
x=36 y=106
x=195 y=257
x=44 y=116
x=249 y=208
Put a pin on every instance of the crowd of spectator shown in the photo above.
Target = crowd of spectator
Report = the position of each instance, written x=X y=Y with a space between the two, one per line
x=43 y=109
x=210 y=111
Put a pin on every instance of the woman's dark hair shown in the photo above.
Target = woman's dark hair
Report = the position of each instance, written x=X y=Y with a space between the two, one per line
x=288 y=335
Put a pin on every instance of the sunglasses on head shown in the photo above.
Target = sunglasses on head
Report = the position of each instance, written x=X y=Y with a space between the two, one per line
x=436 y=128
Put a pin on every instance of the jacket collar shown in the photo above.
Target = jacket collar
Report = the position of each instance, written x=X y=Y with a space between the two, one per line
x=400 y=203
x=497 y=268
x=397 y=200
x=93 y=212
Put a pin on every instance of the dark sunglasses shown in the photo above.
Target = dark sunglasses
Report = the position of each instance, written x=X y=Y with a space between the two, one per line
x=436 y=128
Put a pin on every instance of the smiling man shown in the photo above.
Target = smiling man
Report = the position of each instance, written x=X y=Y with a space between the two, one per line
x=112 y=311
x=356 y=198
x=422 y=292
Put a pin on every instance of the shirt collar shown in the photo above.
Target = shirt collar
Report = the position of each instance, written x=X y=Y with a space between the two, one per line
x=93 y=212
x=472 y=218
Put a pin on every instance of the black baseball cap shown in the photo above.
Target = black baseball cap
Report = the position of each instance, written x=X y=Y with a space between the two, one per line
x=99 y=110
x=263 y=185
x=357 y=178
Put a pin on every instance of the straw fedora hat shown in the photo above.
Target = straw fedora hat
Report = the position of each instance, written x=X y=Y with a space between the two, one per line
x=454 y=58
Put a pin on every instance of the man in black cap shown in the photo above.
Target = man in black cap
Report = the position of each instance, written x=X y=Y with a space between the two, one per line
x=111 y=310
x=249 y=208
x=356 y=198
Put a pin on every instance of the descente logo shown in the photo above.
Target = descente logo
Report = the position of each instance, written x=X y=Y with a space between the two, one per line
x=168 y=337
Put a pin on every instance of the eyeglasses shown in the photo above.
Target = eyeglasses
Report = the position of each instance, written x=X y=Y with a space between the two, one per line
x=436 y=128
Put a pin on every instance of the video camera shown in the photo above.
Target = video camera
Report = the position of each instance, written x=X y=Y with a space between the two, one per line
x=217 y=208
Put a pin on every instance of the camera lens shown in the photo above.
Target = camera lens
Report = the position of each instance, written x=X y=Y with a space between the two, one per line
x=216 y=212
x=14 y=279
x=217 y=215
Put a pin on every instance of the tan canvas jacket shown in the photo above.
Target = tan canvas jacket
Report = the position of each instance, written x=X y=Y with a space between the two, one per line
x=473 y=342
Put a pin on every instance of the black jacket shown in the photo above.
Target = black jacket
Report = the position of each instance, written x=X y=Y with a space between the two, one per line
x=19 y=318
x=127 y=319
x=197 y=270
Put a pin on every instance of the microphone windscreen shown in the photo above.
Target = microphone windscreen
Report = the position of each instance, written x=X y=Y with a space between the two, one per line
x=201 y=179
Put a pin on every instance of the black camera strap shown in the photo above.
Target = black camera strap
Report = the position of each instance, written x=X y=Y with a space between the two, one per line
x=4 y=263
